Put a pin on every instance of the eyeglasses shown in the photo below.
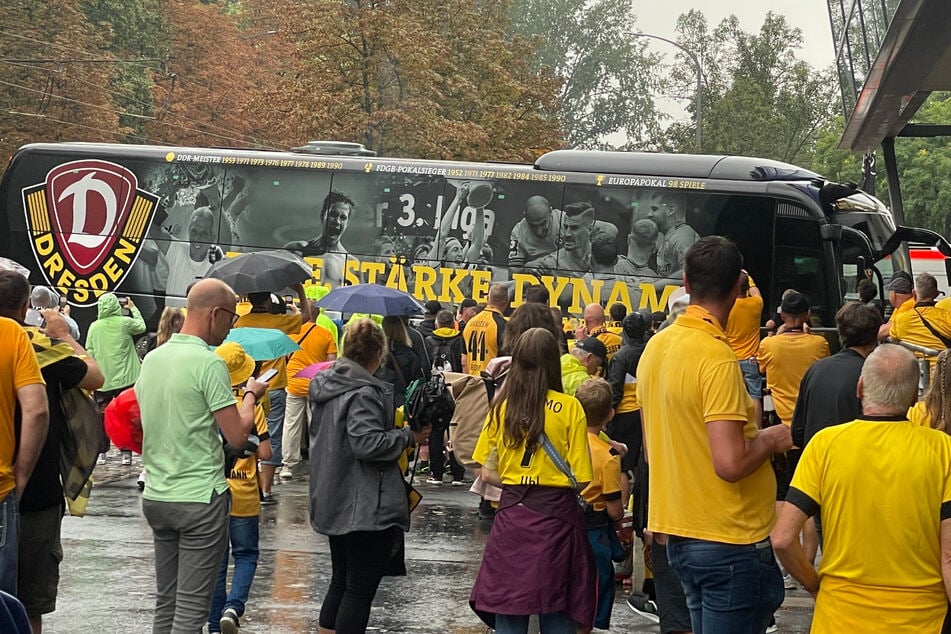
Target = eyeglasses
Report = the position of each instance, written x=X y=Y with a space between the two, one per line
x=234 y=315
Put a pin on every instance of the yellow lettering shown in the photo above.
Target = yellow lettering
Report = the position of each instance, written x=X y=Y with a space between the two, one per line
x=397 y=278
x=480 y=284
x=556 y=286
x=125 y=251
x=425 y=279
x=110 y=269
x=582 y=294
x=620 y=293
x=65 y=281
x=53 y=265
x=80 y=294
x=649 y=296
x=371 y=270
x=450 y=283
x=317 y=264
x=44 y=244
x=521 y=281
x=351 y=271
x=99 y=283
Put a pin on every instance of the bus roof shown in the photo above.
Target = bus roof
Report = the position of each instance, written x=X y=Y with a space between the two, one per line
x=734 y=168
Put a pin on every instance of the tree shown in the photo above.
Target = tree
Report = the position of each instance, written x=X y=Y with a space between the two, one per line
x=425 y=78
x=759 y=99
x=608 y=77
x=51 y=85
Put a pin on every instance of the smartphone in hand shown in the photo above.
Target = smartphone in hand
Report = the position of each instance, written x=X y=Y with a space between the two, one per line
x=267 y=375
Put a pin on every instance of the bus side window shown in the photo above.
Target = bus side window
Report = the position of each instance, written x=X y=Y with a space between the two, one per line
x=798 y=265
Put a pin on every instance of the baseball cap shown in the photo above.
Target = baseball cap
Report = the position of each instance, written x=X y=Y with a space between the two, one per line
x=594 y=346
x=901 y=282
x=240 y=365
x=468 y=303
x=432 y=307
x=794 y=304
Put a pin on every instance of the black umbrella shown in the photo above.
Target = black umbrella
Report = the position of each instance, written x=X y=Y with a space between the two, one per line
x=261 y=271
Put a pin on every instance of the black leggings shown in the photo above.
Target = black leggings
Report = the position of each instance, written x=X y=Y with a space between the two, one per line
x=358 y=561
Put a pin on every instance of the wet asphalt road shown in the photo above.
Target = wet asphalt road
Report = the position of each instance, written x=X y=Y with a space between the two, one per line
x=107 y=574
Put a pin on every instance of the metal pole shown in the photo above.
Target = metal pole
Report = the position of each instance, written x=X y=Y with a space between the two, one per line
x=697 y=67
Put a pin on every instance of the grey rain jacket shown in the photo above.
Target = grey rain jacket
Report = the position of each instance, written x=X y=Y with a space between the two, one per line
x=355 y=481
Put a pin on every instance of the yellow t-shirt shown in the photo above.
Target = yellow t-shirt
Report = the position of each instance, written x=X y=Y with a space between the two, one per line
x=18 y=368
x=288 y=324
x=243 y=479
x=611 y=341
x=566 y=428
x=606 y=479
x=483 y=336
x=316 y=342
x=918 y=414
x=742 y=328
x=883 y=488
x=908 y=326
x=784 y=360
x=688 y=377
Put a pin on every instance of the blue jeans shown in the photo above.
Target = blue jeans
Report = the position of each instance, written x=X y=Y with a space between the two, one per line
x=275 y=425
x=551 y=623
x=731 y=589
x=601 y=545
x=244 y=549
x=9 y=543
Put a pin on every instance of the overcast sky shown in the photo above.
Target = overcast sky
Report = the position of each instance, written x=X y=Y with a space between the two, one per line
x=659 y=17
x=811 y=16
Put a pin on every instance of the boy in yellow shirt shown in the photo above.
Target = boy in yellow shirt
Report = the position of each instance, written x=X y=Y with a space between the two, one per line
x=242 y=473
x=603 y=493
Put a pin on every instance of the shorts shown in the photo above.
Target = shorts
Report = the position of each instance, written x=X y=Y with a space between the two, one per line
x=40 y=546
x=626 y=428
x=752 y=377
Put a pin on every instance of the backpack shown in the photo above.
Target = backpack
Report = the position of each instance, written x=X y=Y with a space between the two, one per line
x=81 y=442
x=429 y=402
x=473 y=396
x=441 y=358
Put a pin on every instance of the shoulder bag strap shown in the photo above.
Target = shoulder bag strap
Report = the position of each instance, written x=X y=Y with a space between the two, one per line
x=557 y=459
x=301 y=340
x=944 y=340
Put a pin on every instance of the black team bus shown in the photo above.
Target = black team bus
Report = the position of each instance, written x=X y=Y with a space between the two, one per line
x=146 y=221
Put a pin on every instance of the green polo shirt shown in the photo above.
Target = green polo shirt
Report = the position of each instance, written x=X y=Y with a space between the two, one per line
x=181 y=384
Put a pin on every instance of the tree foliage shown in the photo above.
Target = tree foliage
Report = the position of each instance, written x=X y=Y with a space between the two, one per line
x=49 y=88
x=426 y=78
x=608 y=77
x=758 y=98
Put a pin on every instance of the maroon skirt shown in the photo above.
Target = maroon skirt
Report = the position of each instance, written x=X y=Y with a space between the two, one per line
x=538 y=559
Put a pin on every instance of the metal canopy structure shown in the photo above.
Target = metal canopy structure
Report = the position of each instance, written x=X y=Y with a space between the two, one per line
x=895 y=68
x=890 y=55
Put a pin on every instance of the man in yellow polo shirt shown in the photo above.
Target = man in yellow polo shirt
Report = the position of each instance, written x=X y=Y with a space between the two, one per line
x=883 y=485
x=742 y=332
x=711 y=489
x=483 y=333
x=923 y=323
x=900 y=295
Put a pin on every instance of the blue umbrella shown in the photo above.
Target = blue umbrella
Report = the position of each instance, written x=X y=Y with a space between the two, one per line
x=370 y=298
x=263 y=344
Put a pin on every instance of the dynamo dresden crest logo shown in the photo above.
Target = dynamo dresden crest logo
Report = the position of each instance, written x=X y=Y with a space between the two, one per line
x=87 y=222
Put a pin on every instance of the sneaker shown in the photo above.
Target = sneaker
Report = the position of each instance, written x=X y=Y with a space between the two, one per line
x=126 y=457
x=433 y=480
x=229 y=621
x=141 y=481
x=458 y=483
x=101 y=459
x=268 y=499
x=788 y=582
x=287 y=473
x=423 y=468
x=643 y=606
x=772 y=628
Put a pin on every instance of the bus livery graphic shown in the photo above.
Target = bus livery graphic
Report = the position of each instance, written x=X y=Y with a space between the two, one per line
x=86 y=224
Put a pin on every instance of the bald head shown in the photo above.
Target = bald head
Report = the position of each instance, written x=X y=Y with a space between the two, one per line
x=537 y=209
x=593 y=316
x=889 y=381
x=499 y=296
x=209 y=293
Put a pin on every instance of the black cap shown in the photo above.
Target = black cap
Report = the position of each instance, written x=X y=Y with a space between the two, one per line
x=634 y=326
x=468 y=303
x=594 y=346
x=794 y=304
x=901 y=282
x=432 y=307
